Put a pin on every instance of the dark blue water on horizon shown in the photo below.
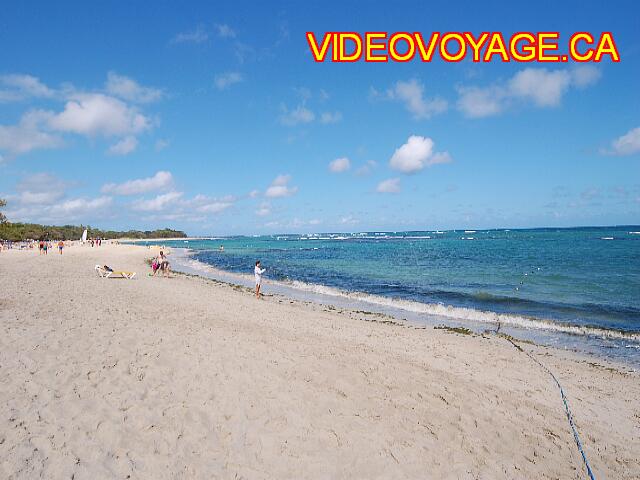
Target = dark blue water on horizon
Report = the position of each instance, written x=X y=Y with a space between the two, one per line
x=573 y=279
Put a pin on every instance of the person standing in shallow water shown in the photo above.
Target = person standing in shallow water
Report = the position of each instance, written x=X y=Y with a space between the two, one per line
x=258 y=272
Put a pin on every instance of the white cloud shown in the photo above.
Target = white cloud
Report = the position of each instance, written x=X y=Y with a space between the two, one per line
x=205 y=204
x=40 y=197
x=90 y=114
x=391 y=185
x=340 y=165
x=412 y=94
x=541 y=87
x=299 y=115
x=254 y=193
x=627 y=144
x=303 y=92
x=375 y=94
x=329 y=117
x=477 y=102
x=280 y=187
x=227 y=79
x=585 y=75
x=366 y=168
x=27 y=135
x=302 y=114
x=225 y=31
x=14 y=87
x=590 y=193
x=281 y=180
x=172 y=206
x=416 y=154
x=40 y=188
x=159 y=181
x=199 y=35
x=157 y=203
x=349 y=220
x=439 y=157
x=545 y=88
x=214 y=207
x=243 y=51
x=128 y=89
x=39 y=182
x=124 y=146
x=79 y=206
x=161 y=144
x=98 y=114
x=65 y=211
x=264 y=209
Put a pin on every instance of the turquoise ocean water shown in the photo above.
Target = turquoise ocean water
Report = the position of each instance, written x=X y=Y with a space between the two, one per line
x=575 y=285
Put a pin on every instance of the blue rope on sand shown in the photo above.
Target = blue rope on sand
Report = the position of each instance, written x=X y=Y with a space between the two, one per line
x=576 y=437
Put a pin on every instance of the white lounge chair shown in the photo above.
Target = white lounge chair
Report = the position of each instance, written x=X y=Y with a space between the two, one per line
x=106 y=273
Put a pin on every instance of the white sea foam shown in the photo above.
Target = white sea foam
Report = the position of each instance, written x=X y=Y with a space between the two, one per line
x=431 y=309
x=461 y=313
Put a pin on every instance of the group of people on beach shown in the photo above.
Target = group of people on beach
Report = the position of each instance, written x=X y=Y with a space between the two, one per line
x=44 y=247
x=161 y=264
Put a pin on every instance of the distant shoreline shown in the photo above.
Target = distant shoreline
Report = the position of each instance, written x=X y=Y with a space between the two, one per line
x=355 y=232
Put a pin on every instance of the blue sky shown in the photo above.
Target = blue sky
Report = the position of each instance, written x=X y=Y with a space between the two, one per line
x=215 y=119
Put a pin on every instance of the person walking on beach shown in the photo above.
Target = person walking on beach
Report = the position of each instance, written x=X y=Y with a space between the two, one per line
x=258 y=272
x=41 y=247
x=60 y=246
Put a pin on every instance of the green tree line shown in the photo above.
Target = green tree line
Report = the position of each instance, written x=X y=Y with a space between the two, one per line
x=32 y=231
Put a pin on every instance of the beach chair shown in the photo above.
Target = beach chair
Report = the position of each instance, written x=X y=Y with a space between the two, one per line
x=108 y=273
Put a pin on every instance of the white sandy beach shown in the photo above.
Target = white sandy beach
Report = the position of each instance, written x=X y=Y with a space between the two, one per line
x=171 y=378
